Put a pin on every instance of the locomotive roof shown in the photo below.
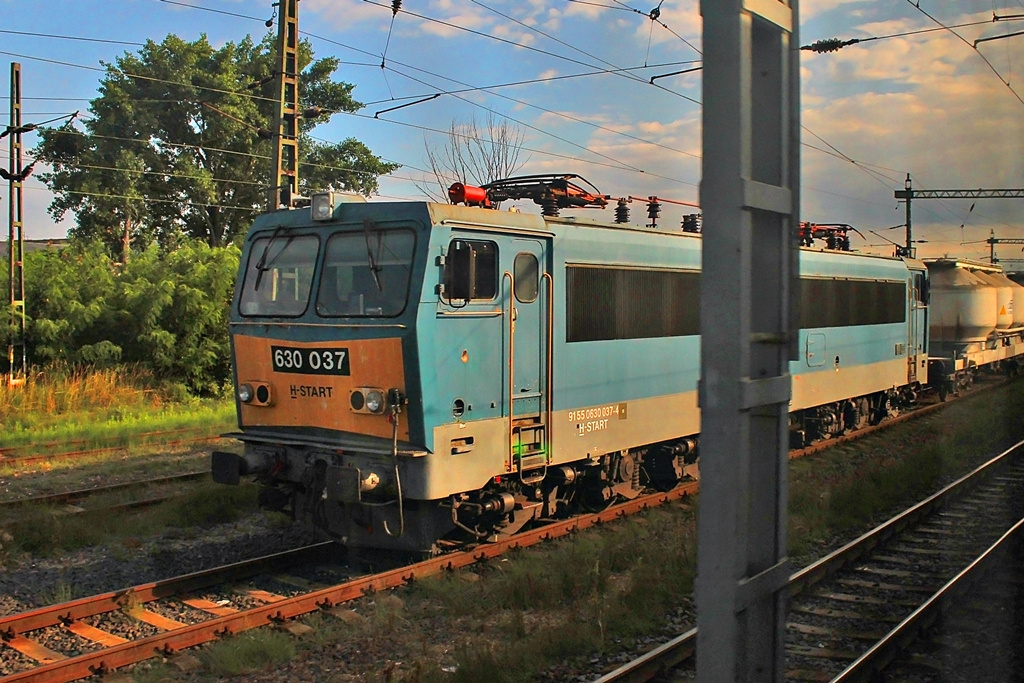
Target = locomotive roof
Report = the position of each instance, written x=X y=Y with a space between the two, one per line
x=441 y=214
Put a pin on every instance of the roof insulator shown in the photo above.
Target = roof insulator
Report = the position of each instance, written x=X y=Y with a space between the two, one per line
x=653 y=211
x=622 y=210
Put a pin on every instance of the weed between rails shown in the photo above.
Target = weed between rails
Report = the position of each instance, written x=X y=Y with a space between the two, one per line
x=249 y=652
x=584 y=594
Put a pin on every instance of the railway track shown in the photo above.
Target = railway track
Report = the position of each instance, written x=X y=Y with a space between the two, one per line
x=78 y=501
x=852 y=612
x=25 y=636
x=25 y=455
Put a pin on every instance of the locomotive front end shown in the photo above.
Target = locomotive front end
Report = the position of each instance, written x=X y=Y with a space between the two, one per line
x=322 y=335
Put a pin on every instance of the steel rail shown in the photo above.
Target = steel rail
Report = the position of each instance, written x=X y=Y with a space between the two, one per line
x=106 y=660
x=884 y=651
x=683 y=647
x=82 y=608
x=78 y=494
x=853 y=550
x=18 y=460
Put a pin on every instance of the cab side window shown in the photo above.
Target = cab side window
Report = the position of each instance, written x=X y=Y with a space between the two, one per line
x=471 y=270
x=526 y=271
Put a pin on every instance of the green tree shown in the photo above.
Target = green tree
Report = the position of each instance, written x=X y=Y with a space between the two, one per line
x=174 y=147
x=165 y=310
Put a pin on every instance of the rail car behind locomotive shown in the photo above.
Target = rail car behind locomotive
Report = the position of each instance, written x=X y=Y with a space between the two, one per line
x=411 y=373
x=977 y=322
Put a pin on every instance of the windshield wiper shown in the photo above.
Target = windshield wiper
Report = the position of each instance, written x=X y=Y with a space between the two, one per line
x=262 y=266
x=374 y=268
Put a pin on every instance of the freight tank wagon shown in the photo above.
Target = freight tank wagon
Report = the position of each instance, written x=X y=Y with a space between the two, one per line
x=977 y=322
x=411 y=373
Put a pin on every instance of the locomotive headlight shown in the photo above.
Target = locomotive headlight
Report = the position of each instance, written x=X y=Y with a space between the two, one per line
x=322 y=206
x=245 y=393
x=374 y=401
x=367 y=400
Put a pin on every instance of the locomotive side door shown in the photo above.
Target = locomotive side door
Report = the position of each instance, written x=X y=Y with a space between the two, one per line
x=526 y=293
x=916 y=325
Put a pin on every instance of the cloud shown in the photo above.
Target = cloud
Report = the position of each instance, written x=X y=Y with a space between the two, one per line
x=341 y=14
x=810 y=9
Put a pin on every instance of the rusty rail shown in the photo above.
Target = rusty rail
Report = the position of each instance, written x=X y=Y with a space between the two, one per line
x=68 y=496
x=682 y=648
x=120 y=655
x=9 y=455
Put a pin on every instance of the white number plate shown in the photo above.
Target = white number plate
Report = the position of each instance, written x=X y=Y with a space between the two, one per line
x=307 y=361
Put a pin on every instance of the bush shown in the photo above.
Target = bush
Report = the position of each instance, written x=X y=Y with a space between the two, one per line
x=164 y=310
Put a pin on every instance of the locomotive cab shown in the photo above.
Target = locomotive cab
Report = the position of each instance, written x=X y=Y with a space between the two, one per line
x=377 y=375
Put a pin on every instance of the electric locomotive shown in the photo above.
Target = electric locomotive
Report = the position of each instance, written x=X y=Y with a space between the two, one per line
x=413 y=374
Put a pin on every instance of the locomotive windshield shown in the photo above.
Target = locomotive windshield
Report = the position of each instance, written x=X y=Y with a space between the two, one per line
x=278 y=275
x=366 y=273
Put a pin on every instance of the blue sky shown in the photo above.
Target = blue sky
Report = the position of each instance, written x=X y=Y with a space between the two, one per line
x=927 y=103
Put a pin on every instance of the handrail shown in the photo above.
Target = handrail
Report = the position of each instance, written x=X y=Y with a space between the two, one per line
x=511 y=360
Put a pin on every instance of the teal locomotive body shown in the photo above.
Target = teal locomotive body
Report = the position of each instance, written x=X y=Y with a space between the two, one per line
x=411 y=374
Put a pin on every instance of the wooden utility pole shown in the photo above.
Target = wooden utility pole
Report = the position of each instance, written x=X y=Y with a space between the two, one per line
x=16 y=368
x=286 y=122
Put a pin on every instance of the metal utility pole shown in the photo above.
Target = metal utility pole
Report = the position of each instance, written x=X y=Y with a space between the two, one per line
x=908 y=185
x=16 y=240
x=750 y=200
x=993 y=241
x=285 y=178
x=910 y=193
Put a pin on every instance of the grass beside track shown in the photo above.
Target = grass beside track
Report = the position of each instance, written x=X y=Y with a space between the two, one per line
x=79 y=411
x=542 y=612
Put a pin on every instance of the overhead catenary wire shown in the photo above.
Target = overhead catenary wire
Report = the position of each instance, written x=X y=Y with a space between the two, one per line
x=264 y=157
x=110 y=68
x=696 y=156
x=625 y=7
x=556 y=155
x=916 y=4
x=487 y=90
x=833 y=44
x=243 y=94
x=79 y=38
x=514 y=44
x=435 y=130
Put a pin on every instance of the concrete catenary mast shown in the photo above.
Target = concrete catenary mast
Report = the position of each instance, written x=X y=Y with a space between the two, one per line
x=750 y=200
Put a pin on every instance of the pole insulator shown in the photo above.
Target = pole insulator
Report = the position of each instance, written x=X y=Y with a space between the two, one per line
x=622 y=210
x=653 y=211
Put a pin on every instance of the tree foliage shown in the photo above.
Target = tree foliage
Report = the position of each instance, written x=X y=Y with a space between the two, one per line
x=474 y=154
x=173 y=147
x=164 y=310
